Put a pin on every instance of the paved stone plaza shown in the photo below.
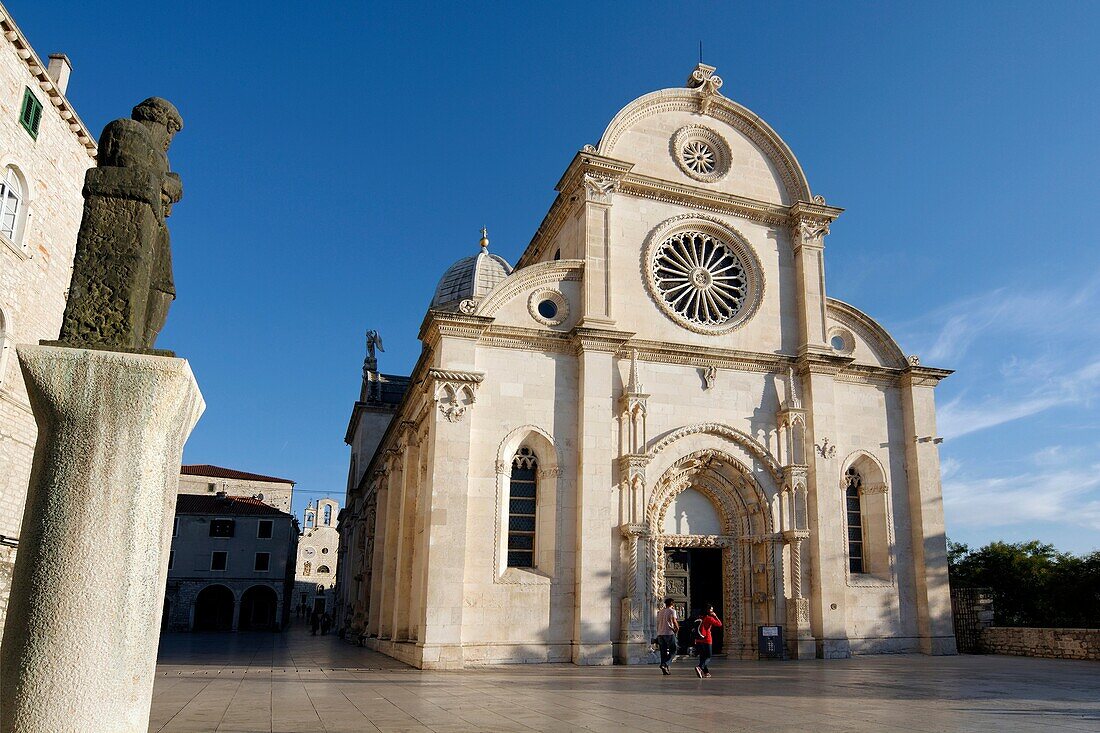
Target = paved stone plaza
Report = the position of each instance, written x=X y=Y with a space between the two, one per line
x=294 y=682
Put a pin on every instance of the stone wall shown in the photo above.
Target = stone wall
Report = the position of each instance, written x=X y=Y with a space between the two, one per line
x=1056 y=643
x=35 y=267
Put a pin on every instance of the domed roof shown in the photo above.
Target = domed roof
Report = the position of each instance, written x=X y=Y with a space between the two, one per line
x=470 y=278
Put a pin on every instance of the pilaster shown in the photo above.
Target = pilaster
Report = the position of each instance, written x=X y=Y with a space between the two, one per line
x=594 y=180
x=825 y=508
x=809 y=225
x=596 y=542
x=922 y=462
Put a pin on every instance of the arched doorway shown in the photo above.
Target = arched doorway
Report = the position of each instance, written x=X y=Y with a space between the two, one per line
x=258 y=609
x=214 y=608
x=709 y=543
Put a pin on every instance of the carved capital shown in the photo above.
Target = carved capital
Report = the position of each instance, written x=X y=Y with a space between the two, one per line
x=598 y=188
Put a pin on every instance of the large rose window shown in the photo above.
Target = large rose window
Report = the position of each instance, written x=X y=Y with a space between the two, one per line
x=702 y=274
x=700 y=278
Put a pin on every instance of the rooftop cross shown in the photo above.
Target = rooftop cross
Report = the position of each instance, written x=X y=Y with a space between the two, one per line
x=484 y=238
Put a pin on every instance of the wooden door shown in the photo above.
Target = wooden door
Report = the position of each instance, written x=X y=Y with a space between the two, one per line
x=678 y=587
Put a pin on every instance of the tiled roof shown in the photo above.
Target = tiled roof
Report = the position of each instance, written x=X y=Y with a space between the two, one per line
x=205 y=469
x=224 y=505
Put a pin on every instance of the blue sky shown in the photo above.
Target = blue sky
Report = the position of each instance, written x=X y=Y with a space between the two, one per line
x=336 y=159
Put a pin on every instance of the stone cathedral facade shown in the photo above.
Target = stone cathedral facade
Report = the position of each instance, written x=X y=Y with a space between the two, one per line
x=658 y=399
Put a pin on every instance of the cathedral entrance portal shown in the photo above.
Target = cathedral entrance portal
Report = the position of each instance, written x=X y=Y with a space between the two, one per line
x=693 y=580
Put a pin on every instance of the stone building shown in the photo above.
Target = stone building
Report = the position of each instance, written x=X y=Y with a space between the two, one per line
x=231 y=565
x=45 y=150
x=208 y=480
x=659 y=398
x=318 y=545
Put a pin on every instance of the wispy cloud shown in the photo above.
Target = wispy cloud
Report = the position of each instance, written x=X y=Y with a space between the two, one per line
x=1070 y=495
x=961 y=416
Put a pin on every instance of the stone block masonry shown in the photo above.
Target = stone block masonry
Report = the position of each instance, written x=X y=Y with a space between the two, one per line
x=1053 y=643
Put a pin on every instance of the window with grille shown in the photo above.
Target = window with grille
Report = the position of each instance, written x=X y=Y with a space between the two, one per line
x=852 y=485
x=522 y=500
x=30 y=116
x=221 y=527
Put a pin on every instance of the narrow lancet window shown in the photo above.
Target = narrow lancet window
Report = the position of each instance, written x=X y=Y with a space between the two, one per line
x=852 y=485
x=522 y=500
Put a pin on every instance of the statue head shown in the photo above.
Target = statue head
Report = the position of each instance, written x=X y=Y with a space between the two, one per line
x=161 y=118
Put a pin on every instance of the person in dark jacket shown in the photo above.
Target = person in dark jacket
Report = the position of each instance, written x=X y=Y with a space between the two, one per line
x=314 y=622
x=704 y=642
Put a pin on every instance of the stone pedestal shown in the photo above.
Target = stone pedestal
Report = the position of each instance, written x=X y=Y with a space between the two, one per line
x=80 y=641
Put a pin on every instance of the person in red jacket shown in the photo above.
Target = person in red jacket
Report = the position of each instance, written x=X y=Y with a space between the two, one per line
x=704 y=642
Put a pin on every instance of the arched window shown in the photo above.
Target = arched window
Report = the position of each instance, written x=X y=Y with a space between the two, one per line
x=12 y=199
x=307 y=569
x=854 y=509
x=323 y=569
x=328 y=515
x=522 y=500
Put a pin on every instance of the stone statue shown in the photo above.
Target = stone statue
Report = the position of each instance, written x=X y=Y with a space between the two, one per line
x=373 y=341
x=122 y=274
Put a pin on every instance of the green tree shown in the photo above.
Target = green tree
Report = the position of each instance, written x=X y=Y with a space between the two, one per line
x=1032 y=583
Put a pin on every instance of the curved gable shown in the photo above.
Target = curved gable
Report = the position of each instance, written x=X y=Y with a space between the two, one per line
x=872 y=342
x=762 y=166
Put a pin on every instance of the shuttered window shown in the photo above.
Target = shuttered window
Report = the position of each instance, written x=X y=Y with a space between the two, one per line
x=30 y=116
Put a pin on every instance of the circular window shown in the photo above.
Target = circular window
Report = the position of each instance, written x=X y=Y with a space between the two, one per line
x=324 y=550
x=701 y=153
x=842 y=341
x=308 y=552
x=700 y=278
x=549 y=307
x=702 y=274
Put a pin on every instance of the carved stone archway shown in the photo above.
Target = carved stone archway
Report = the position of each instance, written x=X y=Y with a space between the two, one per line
x=751 y=570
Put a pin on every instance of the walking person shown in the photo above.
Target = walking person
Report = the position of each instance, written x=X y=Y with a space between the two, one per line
x=326 y=624
x=667 y=628
x=704 y=642
x=314 y=622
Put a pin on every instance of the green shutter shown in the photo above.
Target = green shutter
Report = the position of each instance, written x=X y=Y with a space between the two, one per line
x=31 y=114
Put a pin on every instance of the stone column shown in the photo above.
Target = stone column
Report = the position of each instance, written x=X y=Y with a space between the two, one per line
x=828 y=539
x=393 y=482
x=80 y=641
x=922 y=463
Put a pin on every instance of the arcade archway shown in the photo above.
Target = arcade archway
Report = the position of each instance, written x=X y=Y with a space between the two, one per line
x=214 y=606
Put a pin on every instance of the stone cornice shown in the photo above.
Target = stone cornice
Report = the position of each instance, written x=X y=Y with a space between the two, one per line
x=457 y=376
x=698 y=198
x=440 y=324
x=527 y=339
x=920 y=376
x=703 y=356
x=599 y=339
x=37 y=69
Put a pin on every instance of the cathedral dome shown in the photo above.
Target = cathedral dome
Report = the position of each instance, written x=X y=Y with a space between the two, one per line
x=470 y=278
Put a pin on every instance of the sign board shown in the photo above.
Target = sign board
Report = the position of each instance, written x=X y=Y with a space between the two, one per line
x=769 y=642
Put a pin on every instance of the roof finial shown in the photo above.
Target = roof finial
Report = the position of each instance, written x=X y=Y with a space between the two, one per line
x=484 y=239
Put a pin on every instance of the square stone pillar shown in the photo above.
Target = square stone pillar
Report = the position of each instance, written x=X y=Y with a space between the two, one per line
x=827 y=542
x=922 y=462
